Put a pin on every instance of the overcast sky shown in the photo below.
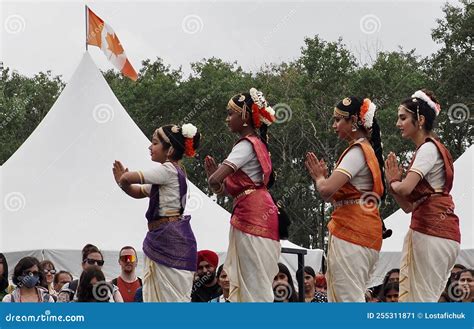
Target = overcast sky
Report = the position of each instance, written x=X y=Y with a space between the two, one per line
x=50 y=35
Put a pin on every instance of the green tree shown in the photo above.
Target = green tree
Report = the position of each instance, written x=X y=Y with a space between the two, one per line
x=393 y=77
x=303 y=94
x=451 y=71
x=24 y=102
x=154 y=99
x=205 y=95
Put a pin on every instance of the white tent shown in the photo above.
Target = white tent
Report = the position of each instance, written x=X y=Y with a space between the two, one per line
x=59 y=192
x=399 y=221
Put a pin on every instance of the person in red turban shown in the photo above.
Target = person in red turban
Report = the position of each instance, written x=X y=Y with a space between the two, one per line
x=208 y=256
x=206 y=286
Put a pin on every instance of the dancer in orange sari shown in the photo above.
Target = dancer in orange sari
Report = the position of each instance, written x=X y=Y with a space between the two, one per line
x=355 y=188
x=433 y=240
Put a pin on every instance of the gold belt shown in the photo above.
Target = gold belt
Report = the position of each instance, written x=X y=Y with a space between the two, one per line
x=246 y=192
x=153 y=225
x=340 y=203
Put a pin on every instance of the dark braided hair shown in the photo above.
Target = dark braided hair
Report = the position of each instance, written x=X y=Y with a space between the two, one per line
x=376 y=142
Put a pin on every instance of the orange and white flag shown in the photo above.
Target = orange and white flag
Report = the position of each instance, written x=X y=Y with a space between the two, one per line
x=100 y=34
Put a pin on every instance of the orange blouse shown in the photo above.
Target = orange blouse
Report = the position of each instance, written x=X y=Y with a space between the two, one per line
x=356 y=217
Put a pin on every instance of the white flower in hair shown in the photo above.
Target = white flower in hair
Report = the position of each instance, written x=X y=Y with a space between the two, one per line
x=253 y=94
x=369 y=116
x=189 y=130
x=421 y=95
x=258 y=98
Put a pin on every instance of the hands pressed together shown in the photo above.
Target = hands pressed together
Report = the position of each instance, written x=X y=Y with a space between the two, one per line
x=210 y=165
x=316 y=168
x=393 y=171
x=118 y=170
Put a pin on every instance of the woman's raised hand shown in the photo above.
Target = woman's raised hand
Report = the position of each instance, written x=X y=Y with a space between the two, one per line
x=316 y=168
x=393 y=171
x=118 y=170
x=210 y=165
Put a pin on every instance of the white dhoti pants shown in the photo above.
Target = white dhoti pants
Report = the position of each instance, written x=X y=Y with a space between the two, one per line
x=166 y=284
x=426 y=266
x=349 y=267
x=251 y=264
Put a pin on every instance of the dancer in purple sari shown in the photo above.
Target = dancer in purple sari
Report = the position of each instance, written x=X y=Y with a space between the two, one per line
x=169 y=246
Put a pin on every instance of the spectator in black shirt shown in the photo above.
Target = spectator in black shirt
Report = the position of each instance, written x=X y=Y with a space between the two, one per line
x=206 y=286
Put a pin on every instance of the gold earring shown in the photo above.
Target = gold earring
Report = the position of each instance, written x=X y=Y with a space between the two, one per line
x=354 y=128
x=420 y=127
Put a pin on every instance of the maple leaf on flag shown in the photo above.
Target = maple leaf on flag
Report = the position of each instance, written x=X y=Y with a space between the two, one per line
x=114 y=44
x=100 y=34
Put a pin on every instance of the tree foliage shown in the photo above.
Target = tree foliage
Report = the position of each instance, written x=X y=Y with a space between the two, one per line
x=303 y=93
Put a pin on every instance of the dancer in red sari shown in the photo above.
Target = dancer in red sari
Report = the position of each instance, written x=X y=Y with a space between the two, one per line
x=254 y=247
x=433 y=240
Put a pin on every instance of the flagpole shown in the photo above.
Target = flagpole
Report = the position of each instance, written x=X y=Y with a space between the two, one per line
x=87 y=26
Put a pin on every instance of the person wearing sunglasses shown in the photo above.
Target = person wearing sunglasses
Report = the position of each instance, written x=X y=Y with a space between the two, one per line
x=128 y=282
x=91 y=257
x=27 y=277
x=48 y=277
